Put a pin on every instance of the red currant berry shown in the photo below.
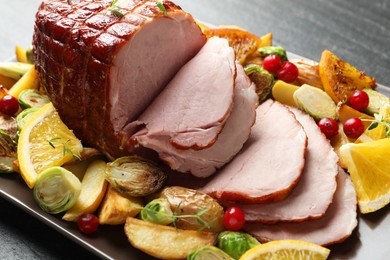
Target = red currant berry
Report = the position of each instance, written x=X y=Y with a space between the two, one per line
x=359 y=100
x=353 y=127
x=88 y=223
x=234 y=219
x=287 y=72
x=272 y=63
x=329 y=127
x=9 y=105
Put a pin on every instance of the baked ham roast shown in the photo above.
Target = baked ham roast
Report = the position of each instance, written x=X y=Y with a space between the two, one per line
x=102 y=68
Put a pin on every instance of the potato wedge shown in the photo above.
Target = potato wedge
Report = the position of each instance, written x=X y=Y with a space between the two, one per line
x=93 y=188
x=115 y=207
x=165 y=242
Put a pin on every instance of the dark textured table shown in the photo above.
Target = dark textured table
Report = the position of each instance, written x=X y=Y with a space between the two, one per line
x=356 y=30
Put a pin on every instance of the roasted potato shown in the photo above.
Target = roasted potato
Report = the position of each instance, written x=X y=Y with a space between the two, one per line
x=185 y=201
x=165 y=242
x=115 y=207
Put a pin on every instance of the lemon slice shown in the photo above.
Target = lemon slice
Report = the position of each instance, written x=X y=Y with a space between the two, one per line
x=287 y=249
x=45 y=141
x=369 y=167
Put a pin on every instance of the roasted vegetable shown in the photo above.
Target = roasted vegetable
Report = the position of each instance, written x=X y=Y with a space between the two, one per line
x=165 y=242
x=157 y=211
x=56 y=190
x=309 y=73
x=32 y=98
x=236 y=244
x=7 y=152
x=193 y=203
x=262 y=79
x=14 y=69
x=276 y=50
x=135 y=176
x=208 y=253
x=30 y=55
x=115 y=207
x=29 y=80
x=93 y=188
x=23 y=116
x=377 y=100
x=315 y=102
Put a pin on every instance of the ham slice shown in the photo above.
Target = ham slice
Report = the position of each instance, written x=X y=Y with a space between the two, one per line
x=203 y=163
x=101 y=70
x=334 y=227
x=193 y=108
x=314 y=192
x=270 y=164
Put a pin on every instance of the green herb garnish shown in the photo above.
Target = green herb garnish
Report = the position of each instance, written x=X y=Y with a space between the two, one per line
x=161 y=6
x=115 y=9
x=379 y=121
x=65 y=149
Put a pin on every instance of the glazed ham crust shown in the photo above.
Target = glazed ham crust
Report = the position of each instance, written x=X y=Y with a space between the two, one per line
x=102 y=70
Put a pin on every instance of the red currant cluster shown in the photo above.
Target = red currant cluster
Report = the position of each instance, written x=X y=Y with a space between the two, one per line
x=286 y=71
x=352 y=127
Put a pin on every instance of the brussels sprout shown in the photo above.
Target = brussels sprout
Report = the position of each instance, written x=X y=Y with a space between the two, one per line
x=157 y=211
x=135 y=176
x=24 y=116
x=56 y=190
x=276 y=50
x=14 y=69
x=7 y=152
x=208 y=253
x=262 y=79
x=32 y=98
x=236 y=244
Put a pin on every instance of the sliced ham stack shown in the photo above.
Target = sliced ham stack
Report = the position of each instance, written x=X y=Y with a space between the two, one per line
x=334 y=227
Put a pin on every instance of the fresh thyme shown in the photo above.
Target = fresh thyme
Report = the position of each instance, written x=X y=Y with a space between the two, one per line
x=65 y=148
x=161 y=6
x=379 y=121
x=115 y=9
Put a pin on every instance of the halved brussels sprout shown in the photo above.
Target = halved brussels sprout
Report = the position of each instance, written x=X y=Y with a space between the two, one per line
x=29 y=98
x=208 y=253
x=7 y=152
x=135 y=176
x=276 y=50
x=56 y=190
x=24 y=116
x=157 y=211
x=14 y=69
x=236 y=244
x=262 y=79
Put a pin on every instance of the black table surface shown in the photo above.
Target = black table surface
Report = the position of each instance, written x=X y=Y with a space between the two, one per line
x=356 y=30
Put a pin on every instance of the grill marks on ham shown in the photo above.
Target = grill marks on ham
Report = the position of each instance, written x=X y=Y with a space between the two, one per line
x=270 y=164
x=334 y=227
x=203 y=163
x=102 y=71
x=194 y=107
x=314 y=192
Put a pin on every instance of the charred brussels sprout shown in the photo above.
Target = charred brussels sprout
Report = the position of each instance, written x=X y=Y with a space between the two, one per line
x=262 y=79
x=135 y=176
x=276 y=50
x=7 y=152
x=32 y=98
x=56 y=190
x=208 y=253
x=157 y=211
x=236 y=244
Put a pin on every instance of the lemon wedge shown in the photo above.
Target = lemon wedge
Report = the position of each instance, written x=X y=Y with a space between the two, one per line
x=369 y=166
x=45 y=141
x=286 y=249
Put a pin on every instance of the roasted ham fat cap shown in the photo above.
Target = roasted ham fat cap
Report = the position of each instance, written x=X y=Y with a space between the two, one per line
x=101 y=70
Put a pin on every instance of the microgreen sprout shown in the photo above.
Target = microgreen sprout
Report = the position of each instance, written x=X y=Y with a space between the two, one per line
x=115 y=8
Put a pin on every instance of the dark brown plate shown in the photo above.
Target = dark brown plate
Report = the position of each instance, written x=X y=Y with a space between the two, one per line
x=368 y=241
